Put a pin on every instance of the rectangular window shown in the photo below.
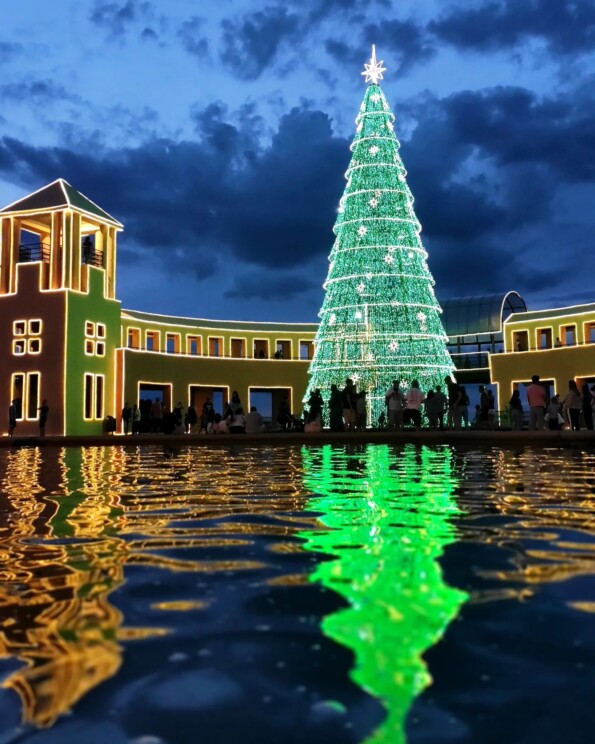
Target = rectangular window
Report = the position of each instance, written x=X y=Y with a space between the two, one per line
x=569 y=335
x=306 y=349
x=133 y=338
x=89 y=347
x=590 y=333
x=193 y=345
x=172 y=343
x=215 y=346
x=284 y=349
x=32 y=394
x=19 y=328
x=88 y=396
x=152 y=340
x=100 y=348
x=100 y=330
x=34 y=327
x=89 y=329
x=19 y=346
x=261 y=348
x=238 y=348
x=99 y=379
x=544 y=338
x=520 y=339
x=34 y=346
x=17 y=392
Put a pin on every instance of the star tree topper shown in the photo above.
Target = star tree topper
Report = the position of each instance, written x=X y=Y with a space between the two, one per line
x=373 y=71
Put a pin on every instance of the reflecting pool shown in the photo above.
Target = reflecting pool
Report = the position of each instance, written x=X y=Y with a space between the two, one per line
x=321 y=594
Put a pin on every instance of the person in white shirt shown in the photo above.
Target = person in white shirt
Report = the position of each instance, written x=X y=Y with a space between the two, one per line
x=254 y=422
x=415 y=398
x=395 y=402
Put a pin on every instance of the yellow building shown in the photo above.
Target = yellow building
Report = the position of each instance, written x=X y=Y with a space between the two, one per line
x=558 y=345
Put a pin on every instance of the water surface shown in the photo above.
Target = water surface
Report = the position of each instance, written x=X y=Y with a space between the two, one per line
x=325 y=594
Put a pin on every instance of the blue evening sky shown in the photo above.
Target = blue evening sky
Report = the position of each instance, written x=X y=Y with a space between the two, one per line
x=218 y=134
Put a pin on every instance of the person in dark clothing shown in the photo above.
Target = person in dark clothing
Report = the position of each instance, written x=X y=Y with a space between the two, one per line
x=12 y=417
x=336 y=409
x=454 y=403
x=191 y=419
x=349 y=402
x=43 y=417
x=587 y=404
x=126 y=416
x=516 y=411
x=208 y=416
x=284 y=417
x=484 y=407
x=315 y=405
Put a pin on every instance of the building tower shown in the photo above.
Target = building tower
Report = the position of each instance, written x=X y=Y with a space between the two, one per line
x=380 y=319
x=60 y=319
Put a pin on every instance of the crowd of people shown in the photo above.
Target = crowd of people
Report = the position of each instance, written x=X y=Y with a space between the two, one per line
x=442 y=407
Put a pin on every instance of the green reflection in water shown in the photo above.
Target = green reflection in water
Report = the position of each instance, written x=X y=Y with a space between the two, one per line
x=389 y=514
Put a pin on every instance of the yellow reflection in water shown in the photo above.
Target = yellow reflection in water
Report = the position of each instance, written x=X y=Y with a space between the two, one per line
x=388 y=515
x=71 y=521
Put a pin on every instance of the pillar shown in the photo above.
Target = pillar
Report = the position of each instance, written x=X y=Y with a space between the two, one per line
x=56 y=250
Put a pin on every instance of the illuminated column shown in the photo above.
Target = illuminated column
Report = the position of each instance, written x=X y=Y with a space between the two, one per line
x=110 y=262
x=56 y=250
x=75 y=267
x=6 y=255
x=67 y=247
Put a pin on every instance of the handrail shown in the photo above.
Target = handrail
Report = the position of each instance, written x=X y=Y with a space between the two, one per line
x=29 y=252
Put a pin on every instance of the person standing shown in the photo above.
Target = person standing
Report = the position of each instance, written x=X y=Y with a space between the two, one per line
x=208 y=416
x=491 y=410
x=454 y=403
x=440 y=405
x=537 y=402
x=43 y=417
x=516 y=411
x=361 y=410
x=464 y=407
x=572 y=405
x=12 y=418
x=191 y=419
x=336 y=409
x=587 y=403
x=553 y=415
x=136 y=417
x=415 y=398
x=315 y=405
x=126 y=416
x=395 y=402
x=349 y=405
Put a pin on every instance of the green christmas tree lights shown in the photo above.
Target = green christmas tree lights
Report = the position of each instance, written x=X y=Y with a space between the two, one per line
x=380 y=319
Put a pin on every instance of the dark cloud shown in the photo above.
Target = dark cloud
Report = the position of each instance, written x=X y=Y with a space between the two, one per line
x=36 y=92
x=251 y=42
x=119 y=18
x=9 y=50
x=405 y=42
x=193 y=38
x=567 y=26
x=270 y=285
x=487 y=193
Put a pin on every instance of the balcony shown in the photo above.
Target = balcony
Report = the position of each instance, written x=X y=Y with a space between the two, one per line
x=29 y=252
x=92 y=258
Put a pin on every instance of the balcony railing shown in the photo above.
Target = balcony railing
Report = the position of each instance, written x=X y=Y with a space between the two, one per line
x=29 y=252
x=92 y=258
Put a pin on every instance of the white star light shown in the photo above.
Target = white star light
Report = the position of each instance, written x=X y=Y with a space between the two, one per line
x=374 y=150
x=393 y=346
x=373 y=202
x=358 y=315
x=333 y=319
x=373 y=71
x=390 y=125
x=361 y=231
x=361 y=287
x=388 y=259
x=375 y=97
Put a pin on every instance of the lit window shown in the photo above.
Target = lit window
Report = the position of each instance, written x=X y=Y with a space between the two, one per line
x=88 y=396
x=18 y=347
x=89 y=328
x=19 y=327
x=34 y=327
x=32 y=394
x=100 y=348
x=133 y=338
x=34 y=346
x=89 y=347
x=100 y=330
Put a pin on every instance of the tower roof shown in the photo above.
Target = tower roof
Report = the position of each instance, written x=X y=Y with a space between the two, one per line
x=59 y=195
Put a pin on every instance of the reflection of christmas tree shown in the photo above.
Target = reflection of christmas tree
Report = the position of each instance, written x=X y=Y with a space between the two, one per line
x=380 y=319
x=389 y=519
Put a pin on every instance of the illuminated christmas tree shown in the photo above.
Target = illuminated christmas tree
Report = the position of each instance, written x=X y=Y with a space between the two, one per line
x=380 y=319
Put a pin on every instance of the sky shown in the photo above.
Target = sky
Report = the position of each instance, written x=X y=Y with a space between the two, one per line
x=218 y=134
